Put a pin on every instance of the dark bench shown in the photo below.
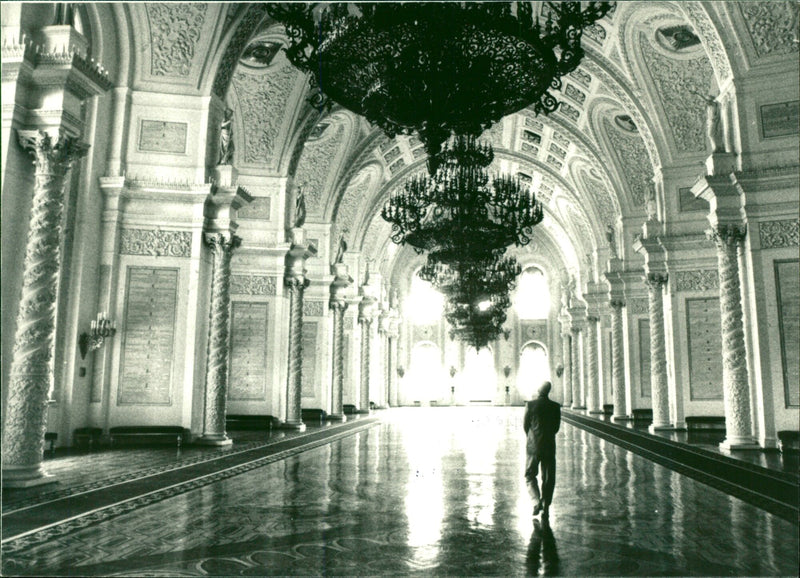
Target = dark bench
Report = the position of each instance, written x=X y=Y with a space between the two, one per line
x=313 y=414
x=147 y=432
x=643 y=415
x=250 y=422
x=87 y=435
x=51 y=437
x=705 y=423
x=789 y=441
x=349 y=409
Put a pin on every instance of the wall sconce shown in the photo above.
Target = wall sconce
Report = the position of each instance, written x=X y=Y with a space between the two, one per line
x=453 y=371
x=401 y=371
x=506 y=334
x=559 y=370
x=102 y=327
x=507 y=371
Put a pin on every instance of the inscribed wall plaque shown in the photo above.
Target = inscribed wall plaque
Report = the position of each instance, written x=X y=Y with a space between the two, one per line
x=156 y=136
x=780 y=119
x=148 y=337
x=644 y=357
x=704 y=337
x=788 y=296
x=309 y=358
x=248 y=366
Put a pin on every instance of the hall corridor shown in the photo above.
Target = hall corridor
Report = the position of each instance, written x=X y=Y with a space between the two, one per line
x=429 y=491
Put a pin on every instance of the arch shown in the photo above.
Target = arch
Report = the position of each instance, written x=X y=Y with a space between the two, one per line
x=532 y=295
x=477 y=381
x=426 y=378
x=534 y=368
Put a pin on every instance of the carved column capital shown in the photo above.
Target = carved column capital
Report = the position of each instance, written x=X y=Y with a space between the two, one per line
x=656 y=279
x=727 y=235
x=222 y=242
x=51 y=155
x=616 y=304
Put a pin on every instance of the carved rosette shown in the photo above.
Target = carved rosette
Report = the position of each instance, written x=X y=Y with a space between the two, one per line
x=32 y=359
x=658 y=351
x=736 y=392
x=593 y=389
x=219 y=329
x=575 y=374
x=618 y=361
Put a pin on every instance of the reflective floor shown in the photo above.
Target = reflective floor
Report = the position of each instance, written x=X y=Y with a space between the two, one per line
x=431 y=491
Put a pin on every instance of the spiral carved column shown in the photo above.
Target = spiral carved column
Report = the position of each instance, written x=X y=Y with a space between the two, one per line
x=618 y=361
x=736 y=391
x=219 y=331
x=366 y=342
x=566 y=377
x=294 y=376
x=577 y=399
x=337 y=384
x=593 y=385
x=658 y=351
x=31 y=374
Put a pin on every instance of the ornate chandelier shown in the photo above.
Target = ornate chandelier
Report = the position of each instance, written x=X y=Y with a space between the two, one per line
x=437 y=68
x=460 y=209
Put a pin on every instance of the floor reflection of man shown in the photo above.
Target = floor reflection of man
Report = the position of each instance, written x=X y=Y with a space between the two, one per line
x=542 y=558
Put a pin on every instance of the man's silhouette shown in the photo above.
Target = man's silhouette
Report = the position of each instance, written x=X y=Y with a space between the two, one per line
x=542 y=420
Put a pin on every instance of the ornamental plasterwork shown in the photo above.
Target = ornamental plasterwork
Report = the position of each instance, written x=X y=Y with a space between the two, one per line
x=775 y=234
x=313 y=308
x=252 y=285
x=244 y=31
x=637 y=306
x=634 y=162
x=675 y=81
x=354 y=196
x=155 y=242
x=772 y=26
x=174 y=32
x=712 y=43
x=262 y=100
x=316 y=163
x=696 y=280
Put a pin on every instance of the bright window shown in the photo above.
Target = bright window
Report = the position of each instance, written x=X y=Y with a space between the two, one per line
x=532 y=300
x=424 y=303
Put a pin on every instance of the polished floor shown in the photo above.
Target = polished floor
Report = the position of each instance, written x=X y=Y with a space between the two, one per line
x=429 y=491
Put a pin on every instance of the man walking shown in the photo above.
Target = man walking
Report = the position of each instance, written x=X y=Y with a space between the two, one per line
x=542 y=420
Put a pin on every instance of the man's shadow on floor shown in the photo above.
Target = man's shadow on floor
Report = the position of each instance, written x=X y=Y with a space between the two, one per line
x=542 y=558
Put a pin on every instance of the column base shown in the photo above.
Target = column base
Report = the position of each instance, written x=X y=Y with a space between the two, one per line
x=743 y=443
x=214 y=440
x=662 y=427
x=293 y=425
x=26 y=477
x=364 y=411
x=337 y=417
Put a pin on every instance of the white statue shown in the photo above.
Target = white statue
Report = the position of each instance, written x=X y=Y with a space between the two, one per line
x=226 y=139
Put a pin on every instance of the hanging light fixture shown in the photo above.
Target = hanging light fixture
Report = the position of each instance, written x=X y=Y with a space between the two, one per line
x=437 y=68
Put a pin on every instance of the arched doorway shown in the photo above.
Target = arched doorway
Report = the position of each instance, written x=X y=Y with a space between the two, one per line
x=534 y=368
x=426 y=379
x=478 y=383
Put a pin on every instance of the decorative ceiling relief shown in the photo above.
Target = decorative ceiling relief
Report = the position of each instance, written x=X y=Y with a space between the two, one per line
x=314 y=168
x=601 y=197
x=634 y=162
x=255 y=14
x=772 y=26
x=676 y=83
x=709 y=36
x=262 y=100
x=174 y=32
x=354 y=197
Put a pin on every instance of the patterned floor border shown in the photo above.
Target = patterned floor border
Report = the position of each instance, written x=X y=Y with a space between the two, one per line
x=41 y=535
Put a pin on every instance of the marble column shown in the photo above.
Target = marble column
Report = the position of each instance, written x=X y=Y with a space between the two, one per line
x=295 y=282
x=566 y=377
x=575 y=374
x=618 y=360
x=365 y=315
x=338 y=305
x=729 y=240
x=658 y=351
x=31 y=375
x=593 y=379
x=219 y=332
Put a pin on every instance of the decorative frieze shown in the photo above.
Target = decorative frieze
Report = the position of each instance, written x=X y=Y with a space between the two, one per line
x=696 y=280
x=313 y=308
x=772 y=26
x=175 y=30
x=631 y=154
x=253 y=285
x=637 y=306
x=777 y=234
x=155 y=243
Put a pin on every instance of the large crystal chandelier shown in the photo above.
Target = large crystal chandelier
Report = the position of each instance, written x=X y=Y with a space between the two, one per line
x=437 y=68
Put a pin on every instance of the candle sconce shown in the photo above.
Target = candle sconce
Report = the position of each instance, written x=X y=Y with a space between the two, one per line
x=102 y=328
x=401 y=371
x=507 y=371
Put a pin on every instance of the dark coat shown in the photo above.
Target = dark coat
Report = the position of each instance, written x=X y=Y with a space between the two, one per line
x=542 y=420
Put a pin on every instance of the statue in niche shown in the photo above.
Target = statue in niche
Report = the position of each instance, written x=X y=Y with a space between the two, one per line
x=341 y=250
x=299 y=208
x=226 y=138
x=714 y=130
x=611 y=237
x=568 y=290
